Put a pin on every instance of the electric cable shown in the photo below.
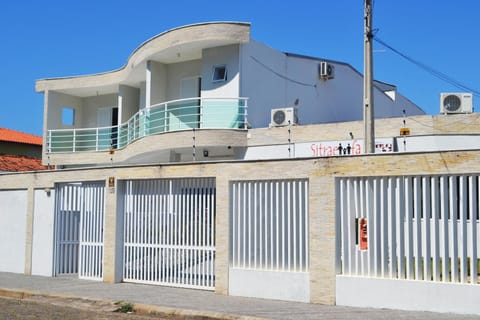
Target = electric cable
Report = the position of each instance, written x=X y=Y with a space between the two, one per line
x=281 y=75
x=440 y=75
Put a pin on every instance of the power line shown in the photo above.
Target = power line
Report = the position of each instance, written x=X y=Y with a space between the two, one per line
x=432 y=71
x=281 y=75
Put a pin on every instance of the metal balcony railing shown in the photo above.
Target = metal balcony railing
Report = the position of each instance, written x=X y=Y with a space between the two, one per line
x=176 y=115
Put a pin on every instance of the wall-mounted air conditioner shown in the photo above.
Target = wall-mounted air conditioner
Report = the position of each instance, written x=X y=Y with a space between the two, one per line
x=283 y=117
x=326 y=70
x=456 y=103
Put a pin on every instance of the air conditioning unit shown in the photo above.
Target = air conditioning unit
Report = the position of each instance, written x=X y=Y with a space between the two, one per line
x=283 y=117
x=456 y=103
x=326 y=70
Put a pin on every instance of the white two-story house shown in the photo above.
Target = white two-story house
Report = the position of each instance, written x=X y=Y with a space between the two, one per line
x=195 y=92
x=211 y=161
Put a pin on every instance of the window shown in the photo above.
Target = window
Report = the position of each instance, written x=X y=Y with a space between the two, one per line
x=68 y=116
x=219 y=73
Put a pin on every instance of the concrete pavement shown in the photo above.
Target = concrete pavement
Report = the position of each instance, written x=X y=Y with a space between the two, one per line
x=206 y=305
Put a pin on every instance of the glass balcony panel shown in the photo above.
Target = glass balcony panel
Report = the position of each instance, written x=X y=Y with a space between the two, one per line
x=123 y=136
x=157 y=120
x=86 y=140
x=222 y=114
x=61 y=141
x=185 y=114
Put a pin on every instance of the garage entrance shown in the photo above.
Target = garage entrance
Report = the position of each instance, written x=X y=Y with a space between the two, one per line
x=169 y=232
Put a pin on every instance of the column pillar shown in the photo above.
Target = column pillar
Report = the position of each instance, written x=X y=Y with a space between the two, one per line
x=148 y=85
x=221 y=234
x=113 y=231
x=29 y=230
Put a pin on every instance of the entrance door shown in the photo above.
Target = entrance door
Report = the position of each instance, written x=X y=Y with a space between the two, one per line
x=190 y=88
x=67 y=226
x=186 y=114
x=91 y=231
x=79 y=217
x=107 y=121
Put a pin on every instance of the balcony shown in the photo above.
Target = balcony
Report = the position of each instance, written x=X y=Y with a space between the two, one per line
x=171 y=116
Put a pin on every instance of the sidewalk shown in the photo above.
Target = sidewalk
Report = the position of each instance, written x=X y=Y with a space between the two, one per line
x=196 y=302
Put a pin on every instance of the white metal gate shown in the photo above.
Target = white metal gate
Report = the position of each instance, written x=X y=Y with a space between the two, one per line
x=79 y=218
x=409 y=242
x=269 y=225
x=269 y=251
x=91 y=231
x=169 y=232
x=67 y=226
x=419 y=228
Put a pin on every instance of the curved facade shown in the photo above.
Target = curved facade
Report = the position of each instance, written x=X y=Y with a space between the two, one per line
x=158 y=92
x=209 y=77
x=174 y=46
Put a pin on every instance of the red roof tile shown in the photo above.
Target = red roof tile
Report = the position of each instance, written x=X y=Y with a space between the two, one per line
x=20 y=163
x=19 y=137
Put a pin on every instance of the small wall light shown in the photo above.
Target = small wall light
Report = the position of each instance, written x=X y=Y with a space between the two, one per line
x=205 y=153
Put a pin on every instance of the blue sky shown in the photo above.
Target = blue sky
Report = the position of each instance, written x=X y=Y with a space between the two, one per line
x=46 y=39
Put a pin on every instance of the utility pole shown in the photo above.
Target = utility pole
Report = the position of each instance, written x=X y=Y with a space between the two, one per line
x=368 y=110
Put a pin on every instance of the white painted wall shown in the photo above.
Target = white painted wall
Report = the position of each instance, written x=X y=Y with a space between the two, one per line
x=90 y=106
x=130 y=102
x=401 y=103
x=158 y=82
x=407 y=295
x=13 y=217
x=178 y=71
x=438 y=143
x=85 y=109
x=42 y=246
x=272 y=79
x=269 y=152
x=338 y=99
x=287 y=286
x=259 y=83
x=383 y=145
x=142 y=102
x=315 y=149
x=56 y=101
x=228 y=56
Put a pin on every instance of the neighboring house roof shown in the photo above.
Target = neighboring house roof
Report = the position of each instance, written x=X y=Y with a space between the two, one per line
x=9 y=163
x=8 y=135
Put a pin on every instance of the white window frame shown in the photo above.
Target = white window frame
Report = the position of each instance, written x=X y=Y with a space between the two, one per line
x=214 y=72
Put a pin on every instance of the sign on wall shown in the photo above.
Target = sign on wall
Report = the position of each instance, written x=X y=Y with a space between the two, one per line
x=341 y=147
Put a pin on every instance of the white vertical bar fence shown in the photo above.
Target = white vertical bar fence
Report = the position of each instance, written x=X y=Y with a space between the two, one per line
x=79 y=217
x=67 y=220
x=91 y=231
x=419 y=227
x=268 y=225
x=169 y=232
x=409 y=235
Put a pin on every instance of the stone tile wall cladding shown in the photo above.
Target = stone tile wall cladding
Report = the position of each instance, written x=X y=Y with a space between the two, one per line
x=320 y=173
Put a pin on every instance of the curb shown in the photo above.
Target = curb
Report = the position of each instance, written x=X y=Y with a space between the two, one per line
x=139 y=308
x=188 y=314
x=14 y=294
